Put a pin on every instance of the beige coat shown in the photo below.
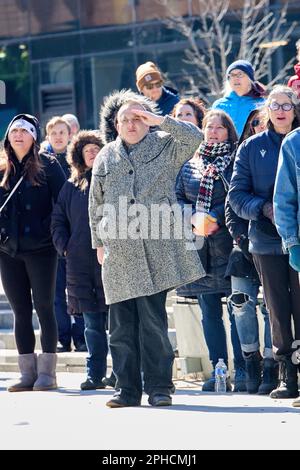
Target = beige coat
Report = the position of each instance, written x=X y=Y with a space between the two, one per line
x=141 y=266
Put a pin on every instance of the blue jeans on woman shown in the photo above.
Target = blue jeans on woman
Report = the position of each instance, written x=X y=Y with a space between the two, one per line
x=244 y=301
x=214 y=330
x=96 y=341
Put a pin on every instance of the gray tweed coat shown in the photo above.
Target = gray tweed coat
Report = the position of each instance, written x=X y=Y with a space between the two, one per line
x=137 y=266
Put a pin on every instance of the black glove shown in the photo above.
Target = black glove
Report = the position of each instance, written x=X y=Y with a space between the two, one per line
x=243 y=244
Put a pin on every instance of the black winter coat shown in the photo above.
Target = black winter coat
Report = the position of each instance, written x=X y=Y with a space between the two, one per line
x=25 y=220
x=71 y=234
x=216 y=249
x=240 y=262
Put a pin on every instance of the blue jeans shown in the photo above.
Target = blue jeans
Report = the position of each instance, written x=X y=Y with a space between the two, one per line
x=68 y=327
x=244 y=301
x=96 y=341
x=214 y=330
x=139 y=340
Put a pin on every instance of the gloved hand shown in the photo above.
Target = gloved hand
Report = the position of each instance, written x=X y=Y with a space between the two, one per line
x=205 y=224
x=295 y=257
x=268 y=211
x=243 y=244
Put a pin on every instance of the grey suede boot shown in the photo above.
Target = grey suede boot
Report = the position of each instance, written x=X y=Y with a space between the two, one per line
x=46 y=372
x=28 y=369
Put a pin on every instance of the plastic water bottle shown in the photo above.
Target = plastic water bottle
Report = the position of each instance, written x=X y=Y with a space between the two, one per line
x=220 y=376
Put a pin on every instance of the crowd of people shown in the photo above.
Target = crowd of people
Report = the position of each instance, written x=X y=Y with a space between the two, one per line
x=74 y=245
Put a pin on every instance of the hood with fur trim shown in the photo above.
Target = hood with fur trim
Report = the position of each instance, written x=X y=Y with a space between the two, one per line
x=79 y=141
x=111 y=106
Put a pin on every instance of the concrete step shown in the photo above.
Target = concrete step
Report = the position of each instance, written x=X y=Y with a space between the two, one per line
x=7 y=318
x=7 y=340
x=66 y=362
x=4 y=305
x=74 y=362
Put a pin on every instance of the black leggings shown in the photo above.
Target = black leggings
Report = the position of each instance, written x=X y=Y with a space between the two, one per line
x=36 y=273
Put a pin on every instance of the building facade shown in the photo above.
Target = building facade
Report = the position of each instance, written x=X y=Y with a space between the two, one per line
x=59 y=56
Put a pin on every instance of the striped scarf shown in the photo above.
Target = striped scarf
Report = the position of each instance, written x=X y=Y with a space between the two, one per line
x=213 y=160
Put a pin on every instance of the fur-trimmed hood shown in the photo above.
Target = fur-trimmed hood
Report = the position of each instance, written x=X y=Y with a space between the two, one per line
x=111 y=106
x=81 y=139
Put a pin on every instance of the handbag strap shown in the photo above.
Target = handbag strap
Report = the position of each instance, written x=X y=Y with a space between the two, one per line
x=12 y=193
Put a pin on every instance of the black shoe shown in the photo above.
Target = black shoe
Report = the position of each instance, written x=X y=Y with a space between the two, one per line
x=109 y=381
x=90 y=385
x=80 y=347
x=63 y=348
x=118 y=402
x=159 y=399
x=240 y=380
x=209 y=384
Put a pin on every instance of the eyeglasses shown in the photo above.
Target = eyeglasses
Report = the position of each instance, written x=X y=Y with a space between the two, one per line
x=255 y=122
x=274 y=106
x=150 y=86
x=236 y=75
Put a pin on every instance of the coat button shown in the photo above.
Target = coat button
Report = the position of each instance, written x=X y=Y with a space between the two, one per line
x=132 y=201
x=131 y=172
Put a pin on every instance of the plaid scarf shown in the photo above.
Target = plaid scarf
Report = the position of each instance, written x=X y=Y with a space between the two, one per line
x=213 y=160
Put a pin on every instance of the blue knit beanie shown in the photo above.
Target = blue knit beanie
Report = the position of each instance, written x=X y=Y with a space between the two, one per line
x=243 y=65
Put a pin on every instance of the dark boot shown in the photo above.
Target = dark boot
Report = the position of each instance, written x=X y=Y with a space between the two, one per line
x=209 y=385
x=253 y=371
x=240 y=380
x=288 y=375
x=28 y=369
x=270 y=377
x=109 y=381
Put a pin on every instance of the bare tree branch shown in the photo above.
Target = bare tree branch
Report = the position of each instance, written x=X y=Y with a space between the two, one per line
x=211 y=38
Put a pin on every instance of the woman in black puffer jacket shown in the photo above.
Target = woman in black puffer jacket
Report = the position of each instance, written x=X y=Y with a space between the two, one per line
x=203 y=183
x=72 y=239
x=30 y=184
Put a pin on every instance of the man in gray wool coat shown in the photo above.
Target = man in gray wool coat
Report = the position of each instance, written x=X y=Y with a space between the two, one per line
x=135 y=174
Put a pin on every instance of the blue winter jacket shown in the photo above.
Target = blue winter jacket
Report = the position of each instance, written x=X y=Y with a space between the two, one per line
x=167 y=100
x=287 y=190
x=238 y=108
x=252 y=185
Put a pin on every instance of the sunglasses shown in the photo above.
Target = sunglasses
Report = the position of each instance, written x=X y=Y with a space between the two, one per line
x=255 y=122
x=150 y=86
x=274 y=106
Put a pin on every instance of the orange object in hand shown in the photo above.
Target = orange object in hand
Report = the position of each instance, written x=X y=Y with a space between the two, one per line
x=204 y=223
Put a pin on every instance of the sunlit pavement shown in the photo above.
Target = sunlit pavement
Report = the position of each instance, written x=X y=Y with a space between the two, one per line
x=71 y=419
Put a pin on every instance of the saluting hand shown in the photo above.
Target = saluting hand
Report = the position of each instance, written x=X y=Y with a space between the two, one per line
x=150 y=119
